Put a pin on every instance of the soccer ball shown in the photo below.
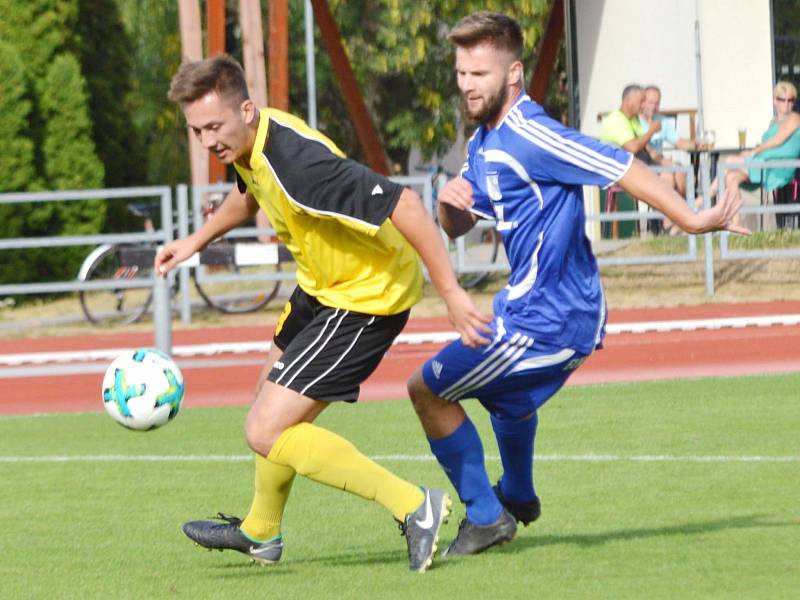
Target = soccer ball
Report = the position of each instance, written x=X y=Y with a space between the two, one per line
x=143 y=389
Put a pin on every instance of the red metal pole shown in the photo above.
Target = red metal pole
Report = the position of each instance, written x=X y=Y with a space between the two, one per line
x=356 y=108
x=279 y=54
x=547 y=51
x=215 y=28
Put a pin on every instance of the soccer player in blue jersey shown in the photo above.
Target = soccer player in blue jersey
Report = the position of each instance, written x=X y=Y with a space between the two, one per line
x=525 y=171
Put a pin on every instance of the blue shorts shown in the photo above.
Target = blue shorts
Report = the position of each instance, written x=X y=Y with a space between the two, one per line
x=512 y=377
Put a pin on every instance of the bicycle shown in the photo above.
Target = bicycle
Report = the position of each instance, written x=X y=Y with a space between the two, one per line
x=488 y=236
x=126 y=261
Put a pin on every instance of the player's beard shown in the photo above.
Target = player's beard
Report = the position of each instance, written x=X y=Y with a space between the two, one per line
x=491 y=108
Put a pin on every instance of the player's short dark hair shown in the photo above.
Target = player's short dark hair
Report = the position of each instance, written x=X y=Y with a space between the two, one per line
x=220 y=74
x=629 y=89
x=499 y=30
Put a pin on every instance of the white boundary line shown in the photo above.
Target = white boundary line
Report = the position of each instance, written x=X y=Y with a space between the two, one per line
x=439 y=337
x=646 y=458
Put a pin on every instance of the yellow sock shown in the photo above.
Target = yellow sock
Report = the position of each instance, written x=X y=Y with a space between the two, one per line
x=327 y=458
x=273 y=483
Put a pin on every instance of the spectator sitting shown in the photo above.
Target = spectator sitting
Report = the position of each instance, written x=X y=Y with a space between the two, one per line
x=781 y=141
x=651 y=105
x=650 y=114
x=623 y=128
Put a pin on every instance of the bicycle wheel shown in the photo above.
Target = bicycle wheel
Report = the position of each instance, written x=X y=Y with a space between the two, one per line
x=492 y=246
x=119 y=306
x=231 y=288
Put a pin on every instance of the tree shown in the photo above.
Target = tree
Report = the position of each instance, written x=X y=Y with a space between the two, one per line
x=404 y=65
x=39 y=30
x=105 y=53
x=70 y=162
x=17 y=169
x=152 y=27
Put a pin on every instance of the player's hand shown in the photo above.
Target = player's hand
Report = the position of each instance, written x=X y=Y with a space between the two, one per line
x=470 y=324
x=721 y=216
x=171 y=255
x=457 y=193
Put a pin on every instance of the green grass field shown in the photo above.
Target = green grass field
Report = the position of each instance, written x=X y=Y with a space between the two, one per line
x=682 y=489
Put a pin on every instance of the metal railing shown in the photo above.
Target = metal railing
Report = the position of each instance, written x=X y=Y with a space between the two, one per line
x=642 y=217
x=161 y=308
x=465 y=259
x=765 y=208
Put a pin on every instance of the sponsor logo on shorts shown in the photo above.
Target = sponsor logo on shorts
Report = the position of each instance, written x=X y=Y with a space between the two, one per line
x=437 y=367
x=278 y=365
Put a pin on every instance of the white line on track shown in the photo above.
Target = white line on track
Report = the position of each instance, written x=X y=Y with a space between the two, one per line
x=178 y=458
x=437 y=337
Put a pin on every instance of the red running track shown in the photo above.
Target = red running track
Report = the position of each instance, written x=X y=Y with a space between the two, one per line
x=626 y=357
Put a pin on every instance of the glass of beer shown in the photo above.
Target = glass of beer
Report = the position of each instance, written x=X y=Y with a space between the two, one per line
x=742 y=138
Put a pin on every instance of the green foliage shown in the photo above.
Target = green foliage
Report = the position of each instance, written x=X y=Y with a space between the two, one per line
x=404 y=65
x=17 y=169
x=105 y=54
x=78 y=60
x=152 y=28
x=127 y=52
x=39 y=29
x=70 y=163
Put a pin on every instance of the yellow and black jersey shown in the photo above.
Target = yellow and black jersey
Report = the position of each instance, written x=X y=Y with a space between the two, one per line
x=333 y=215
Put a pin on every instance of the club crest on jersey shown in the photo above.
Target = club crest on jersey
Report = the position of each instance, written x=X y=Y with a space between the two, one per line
x=493 y=186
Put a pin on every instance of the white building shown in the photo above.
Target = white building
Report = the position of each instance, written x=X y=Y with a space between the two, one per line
x=728 y=77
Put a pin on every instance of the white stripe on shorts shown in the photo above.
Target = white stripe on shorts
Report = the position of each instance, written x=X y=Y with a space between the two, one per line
x=547 y=360
x=493 y=357
x=341 y=357
x=489 y=368
x=321 y=347
x=498 y=370
x=309 y=347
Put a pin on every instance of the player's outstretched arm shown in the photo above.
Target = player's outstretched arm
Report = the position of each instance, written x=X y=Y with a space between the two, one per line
x=416 y=225
x=645 y=185
x=235 y=210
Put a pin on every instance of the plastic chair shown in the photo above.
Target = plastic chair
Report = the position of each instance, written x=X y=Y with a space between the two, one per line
x=612 y=205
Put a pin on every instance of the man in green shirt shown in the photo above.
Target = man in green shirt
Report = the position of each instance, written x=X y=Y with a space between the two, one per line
x=622 y=128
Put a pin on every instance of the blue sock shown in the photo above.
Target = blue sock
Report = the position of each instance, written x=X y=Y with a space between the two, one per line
x=515 y=442
x=461 y=457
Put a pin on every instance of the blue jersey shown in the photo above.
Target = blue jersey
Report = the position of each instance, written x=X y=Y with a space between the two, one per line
x=527 y=174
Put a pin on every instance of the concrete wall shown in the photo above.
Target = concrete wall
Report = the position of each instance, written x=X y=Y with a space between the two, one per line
x=652 y=41
x=736 y=46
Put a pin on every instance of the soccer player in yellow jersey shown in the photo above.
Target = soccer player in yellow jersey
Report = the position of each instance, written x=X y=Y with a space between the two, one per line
x=354 y=236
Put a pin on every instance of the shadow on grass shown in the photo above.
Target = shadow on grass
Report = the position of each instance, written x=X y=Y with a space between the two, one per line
x=596 y=539
x=286 y=566
x=365 y=557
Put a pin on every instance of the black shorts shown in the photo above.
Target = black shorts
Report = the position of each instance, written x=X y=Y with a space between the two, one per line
x=329 y=352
